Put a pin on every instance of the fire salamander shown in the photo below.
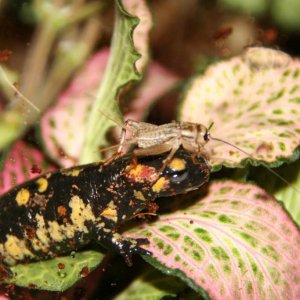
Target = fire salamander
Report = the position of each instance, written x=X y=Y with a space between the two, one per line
x=61 y=211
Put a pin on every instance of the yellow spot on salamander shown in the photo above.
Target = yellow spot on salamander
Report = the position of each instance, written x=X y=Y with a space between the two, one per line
x=80 y=213
x=177 y=164
x=161 y=184
x=110 y=212
x=42 y=184
x=16 y=248
x=139 y=195
x=41 y=231
x=55 y=231
x=23 y=197
x=68 y=230
x=74 y=172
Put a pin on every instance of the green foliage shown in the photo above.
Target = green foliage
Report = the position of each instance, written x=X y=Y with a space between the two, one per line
x=120 y=71
x=57 y=274
x=285 y=13
x=151 y=285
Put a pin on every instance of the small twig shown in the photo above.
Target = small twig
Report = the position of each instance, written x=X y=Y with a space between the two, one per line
x=17 y=91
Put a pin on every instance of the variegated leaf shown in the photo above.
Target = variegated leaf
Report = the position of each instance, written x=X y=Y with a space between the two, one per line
x=63 y=126
x=254 y=102
x=236 y=243
x=288 y=194
x=141 y=33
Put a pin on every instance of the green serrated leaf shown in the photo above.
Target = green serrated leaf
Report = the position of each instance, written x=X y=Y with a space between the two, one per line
x=121 y=70
x=57 y=274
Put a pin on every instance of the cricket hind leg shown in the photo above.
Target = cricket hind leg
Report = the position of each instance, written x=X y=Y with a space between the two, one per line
x=128 y=125
x=197 y=151
x=136 y=128
x=202 y=152
x=168 y=159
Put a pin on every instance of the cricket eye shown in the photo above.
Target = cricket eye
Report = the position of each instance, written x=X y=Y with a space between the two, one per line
x=206 y=136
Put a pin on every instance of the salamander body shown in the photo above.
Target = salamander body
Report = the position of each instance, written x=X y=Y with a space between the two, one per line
x=62 y=211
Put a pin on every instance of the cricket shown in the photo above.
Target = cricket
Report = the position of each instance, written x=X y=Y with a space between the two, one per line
x=157 y=139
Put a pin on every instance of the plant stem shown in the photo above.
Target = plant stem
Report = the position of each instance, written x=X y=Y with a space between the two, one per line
x=38 y=82
x=70 y=59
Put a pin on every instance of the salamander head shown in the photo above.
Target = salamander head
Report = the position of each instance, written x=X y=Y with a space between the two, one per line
x=183 y=174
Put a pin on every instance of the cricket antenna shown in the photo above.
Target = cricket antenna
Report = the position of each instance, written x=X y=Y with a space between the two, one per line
x=251 y=156
x=210 y=126
x=111 y=119
x=106 y=115
x=17 y=91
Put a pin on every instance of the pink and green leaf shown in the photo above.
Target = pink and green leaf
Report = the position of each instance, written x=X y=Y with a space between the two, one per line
x=235 y=243
x=63 y=126
x=21 y=163
x=254 y=102
x=140 y=34
x=157 y=82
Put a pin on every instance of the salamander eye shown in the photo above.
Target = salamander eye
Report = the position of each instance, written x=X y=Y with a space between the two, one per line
x=178 y=176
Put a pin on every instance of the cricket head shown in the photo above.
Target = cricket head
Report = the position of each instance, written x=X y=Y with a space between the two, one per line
x=194 y=134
